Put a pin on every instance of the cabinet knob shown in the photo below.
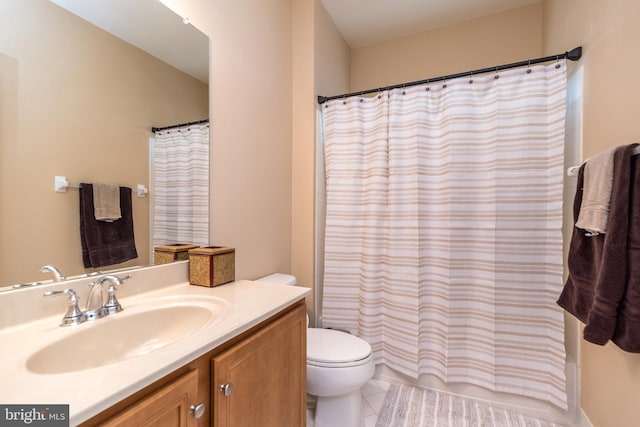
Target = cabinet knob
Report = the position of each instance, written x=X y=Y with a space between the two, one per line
x=197 y=411
x=226 y=389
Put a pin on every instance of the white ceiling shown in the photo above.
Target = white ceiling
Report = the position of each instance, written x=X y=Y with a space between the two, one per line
x=150 y=26
x=365 y=22
x=153 y=27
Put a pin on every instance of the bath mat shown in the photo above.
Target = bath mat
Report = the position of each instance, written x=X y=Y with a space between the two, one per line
x=406 y=406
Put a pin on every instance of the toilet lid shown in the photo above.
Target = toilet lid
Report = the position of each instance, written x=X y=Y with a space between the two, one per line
x=328 y=346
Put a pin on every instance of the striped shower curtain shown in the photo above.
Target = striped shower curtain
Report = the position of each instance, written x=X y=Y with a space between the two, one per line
x=180 y=185
x=443 y=244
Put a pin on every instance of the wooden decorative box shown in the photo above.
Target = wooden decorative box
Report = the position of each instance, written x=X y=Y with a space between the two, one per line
x=212 y=266
x=164 y=254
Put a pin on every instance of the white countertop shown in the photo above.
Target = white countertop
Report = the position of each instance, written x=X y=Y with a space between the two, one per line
x=90 y=391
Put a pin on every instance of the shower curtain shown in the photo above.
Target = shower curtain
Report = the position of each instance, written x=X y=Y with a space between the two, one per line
x=180 y=179
x=443 y=245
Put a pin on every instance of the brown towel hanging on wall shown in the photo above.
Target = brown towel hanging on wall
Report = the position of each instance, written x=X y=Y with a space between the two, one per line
x=603 y=287
x=106 y=243
x=627 y=334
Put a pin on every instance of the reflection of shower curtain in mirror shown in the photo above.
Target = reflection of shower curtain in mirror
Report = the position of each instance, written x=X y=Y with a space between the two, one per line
x=180 y=168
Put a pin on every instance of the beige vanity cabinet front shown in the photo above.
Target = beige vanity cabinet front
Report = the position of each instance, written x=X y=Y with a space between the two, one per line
x=261 y=381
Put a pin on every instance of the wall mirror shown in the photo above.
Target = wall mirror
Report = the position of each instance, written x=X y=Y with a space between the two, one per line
x=78 y=101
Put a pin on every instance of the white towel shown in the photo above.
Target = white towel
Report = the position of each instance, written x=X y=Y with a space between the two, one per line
x=106 y=202
x=596 y=196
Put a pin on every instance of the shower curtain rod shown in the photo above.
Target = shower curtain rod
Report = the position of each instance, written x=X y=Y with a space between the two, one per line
x=155 y=129
x=573 y=55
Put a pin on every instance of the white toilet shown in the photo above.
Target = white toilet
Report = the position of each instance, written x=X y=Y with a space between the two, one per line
x=338 y=365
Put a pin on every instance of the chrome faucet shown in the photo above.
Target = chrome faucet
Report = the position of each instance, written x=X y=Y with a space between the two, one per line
x=95 y=310
x=75 y=316
x=57 y=276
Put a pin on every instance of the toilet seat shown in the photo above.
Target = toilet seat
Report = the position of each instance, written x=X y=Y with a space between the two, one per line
x=335 y=349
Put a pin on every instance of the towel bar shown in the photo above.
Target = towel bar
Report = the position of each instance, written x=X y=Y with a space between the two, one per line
x=573 y=170
x=61 y=184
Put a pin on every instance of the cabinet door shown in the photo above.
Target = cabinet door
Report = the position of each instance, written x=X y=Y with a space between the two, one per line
x=167 y=407
x=261 y=381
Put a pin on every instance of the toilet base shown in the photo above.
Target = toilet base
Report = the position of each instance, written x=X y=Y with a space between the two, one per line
x=339 y=411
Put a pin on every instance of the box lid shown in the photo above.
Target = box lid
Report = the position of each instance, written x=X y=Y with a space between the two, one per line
x=211 y=250
x=175 y=247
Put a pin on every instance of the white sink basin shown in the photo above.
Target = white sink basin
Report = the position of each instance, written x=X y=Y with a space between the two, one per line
x=125 y=335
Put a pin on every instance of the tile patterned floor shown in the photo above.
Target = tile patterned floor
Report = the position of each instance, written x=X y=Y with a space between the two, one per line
x=373 y=394
x=372 y=398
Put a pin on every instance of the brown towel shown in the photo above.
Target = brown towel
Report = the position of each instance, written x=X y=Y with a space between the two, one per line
x=627 y=335
x=583 y=264
x=597 y=280
x=106 y=243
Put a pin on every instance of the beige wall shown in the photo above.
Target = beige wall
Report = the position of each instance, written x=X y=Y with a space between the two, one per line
x=73 y=104
x=320 y=59
x=332 y=64
x=251 y=137
x=332 y=56
x=609 y=32
x=268 y=61
x=251 y=130
x=483 y=42
x=303 y=142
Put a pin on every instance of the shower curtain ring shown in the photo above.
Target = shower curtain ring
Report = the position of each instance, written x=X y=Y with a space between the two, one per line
x=444 y=86
x=427 y=87
x=497 y=76
x=470 y=77
x=529 y=67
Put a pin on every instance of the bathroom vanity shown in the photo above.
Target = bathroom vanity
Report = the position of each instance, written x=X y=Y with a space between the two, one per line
x=255 y=379
x=237 y=357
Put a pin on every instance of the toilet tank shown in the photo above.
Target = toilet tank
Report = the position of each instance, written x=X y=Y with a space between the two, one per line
x=278 y=279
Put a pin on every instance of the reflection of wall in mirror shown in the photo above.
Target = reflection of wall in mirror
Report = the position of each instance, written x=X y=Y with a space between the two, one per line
x=76 y=101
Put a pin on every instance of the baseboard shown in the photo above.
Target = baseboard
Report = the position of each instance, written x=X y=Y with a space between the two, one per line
x=583 y=419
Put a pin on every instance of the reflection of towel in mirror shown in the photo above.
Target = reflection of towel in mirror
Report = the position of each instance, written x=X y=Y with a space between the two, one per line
x=106 y=243
x=106 y=202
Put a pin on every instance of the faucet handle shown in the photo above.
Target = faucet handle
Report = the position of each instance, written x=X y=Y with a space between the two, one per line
x=113 y=305
x=123 y=279
x=68 y=291
x=73 y=316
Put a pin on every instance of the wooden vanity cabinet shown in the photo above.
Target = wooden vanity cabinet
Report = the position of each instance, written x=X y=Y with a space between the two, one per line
x=167 y=407
x=261 y=381
x=264 y=368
